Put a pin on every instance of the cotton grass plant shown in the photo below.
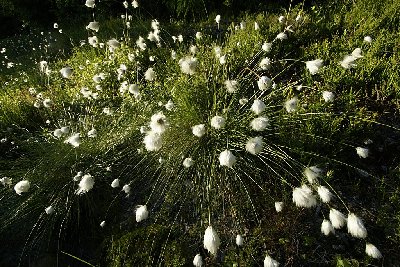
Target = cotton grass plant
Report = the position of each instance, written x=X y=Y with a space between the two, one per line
x=214 y=132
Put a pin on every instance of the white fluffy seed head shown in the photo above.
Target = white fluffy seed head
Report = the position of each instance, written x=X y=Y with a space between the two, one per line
x=74 y=140
x=115 y=183
x=49 y=210
x=22 y=187
x=199 y=130
x=368 y=39
x=303 y=197
x=267 y=47
x=279 y=206
x=327 y=228
x=314 y=65
x=158 y=123
x=226 y=158
x=150 y=74
x=355 y=226
x=259 y=124
x=92 y=133
x=348 y=62
x=86 y=184
x=57 y=133
x=231 y=86
x=66 y=72
x=239 y=240
x=152 y=141
x=270 y=262
x=141 y=213
x=372 y=251
x=337 y=218
x=324 y=194
x=211 y=240
x=265 y=64
x=291 y=104
x=188 y=162
x=188 y=65
x=362 y=152
x=264 y=83
x=258 y=106
x=254 y=145
x=218 y=122
x=312 y=173
x=328 y=96
x=198 y=261
x=127 y=189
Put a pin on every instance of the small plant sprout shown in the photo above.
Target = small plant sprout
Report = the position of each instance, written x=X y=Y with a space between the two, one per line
x=22 y=187
x=337 y=218
x=239 y=240
x=314 y=66
x=102 y=224
x=355 y=226
x=291 y=105
x=279 y=206
x=199 y=130
x=254 y=145
x=226 y=158
x=327 y=228
x=49 y=210
x=198 y=261
x=304 y=197
x=362 y=152
x=231 y=86
x=218 y=122
x=372 y=251
x=270 y=262
x=258 y=106
x=115 y=183
x=141 y=213
x=259 y=124
x=85 y=185
x=324 y=194
x=328 y=96
x=211 y=240
x=264 y=83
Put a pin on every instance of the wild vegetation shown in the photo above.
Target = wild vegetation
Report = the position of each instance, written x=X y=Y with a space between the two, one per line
x=264 y=139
